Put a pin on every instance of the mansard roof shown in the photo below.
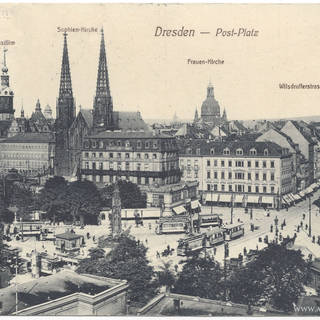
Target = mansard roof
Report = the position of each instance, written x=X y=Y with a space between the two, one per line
x=206 y=147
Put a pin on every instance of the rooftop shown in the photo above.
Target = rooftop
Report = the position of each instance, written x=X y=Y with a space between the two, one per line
x=52 y=287
x=163 y=305
x=68 y=236
x=207 y=147
x=127 y=134
x=30 y=137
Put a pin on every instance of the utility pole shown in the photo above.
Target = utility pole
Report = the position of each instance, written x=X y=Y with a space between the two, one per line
x=211 y=199
x=16 y=283
x=231 y=218
x=309 y=216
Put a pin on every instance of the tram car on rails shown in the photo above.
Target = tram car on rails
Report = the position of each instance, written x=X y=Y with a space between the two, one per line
x=233 y=231
x=209 y=220
x=190 y=244
x=174 y=224
x=214 y=237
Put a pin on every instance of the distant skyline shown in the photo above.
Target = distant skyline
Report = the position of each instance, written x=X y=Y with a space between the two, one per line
x=151 y=74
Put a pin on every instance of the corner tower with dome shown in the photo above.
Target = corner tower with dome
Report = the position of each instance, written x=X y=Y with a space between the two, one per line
x=210 y=109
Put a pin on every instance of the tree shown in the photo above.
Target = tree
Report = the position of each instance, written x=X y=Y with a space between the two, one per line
x=276 y=276
x=126 y=261
x=22 y=197
x=201 y=277
x=130 y=194
x=166 y=276
x=83 y=201
x=51 y=199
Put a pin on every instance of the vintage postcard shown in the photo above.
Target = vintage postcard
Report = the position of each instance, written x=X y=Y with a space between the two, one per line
x=159 y=159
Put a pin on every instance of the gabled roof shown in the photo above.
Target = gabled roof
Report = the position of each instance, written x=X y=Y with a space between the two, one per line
x=88 y=116
x=307 y=136
x=129 y=121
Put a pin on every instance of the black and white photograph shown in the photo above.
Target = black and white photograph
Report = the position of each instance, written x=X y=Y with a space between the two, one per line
x=160 y=160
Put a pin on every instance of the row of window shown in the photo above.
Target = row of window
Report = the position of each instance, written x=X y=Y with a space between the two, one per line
x=148 y=144
x=240 y=163
x=126 y=166
x=240 y=175
x=240 y=188
x=120 y=155
x=20 y=146
x=227 y=151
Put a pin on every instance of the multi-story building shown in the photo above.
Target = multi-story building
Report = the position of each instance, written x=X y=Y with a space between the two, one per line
x=141 y=157
x=307 y=145
x=29 y=153
x=245 y=173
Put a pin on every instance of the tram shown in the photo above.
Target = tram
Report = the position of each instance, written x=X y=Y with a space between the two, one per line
x=190 y=244
x=214 y=237
x=174 y=224
x=233 y=231
x=209 y=220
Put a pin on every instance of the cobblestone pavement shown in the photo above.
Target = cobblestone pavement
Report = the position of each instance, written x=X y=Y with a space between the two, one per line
x=154 y=242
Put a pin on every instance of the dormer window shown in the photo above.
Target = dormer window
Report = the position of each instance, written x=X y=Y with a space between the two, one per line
x=94 y=144
x=239 y=152
x=212 y=151
x=253 y=152
x=147 y=144
x=266 y=152
x=119 y=143
x=138 y=144
x=127 y=143
x=100 y=144
x=226 y=151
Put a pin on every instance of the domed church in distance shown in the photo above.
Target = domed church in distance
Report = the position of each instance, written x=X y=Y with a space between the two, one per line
x=210 y=110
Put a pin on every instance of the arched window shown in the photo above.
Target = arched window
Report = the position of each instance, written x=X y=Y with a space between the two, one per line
x=212 y=151
x=226 y=151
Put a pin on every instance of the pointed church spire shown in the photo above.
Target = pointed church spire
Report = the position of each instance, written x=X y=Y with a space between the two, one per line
x=103 y=107
x=196 y=116
x=4 y=76
x=38 y=107
x=22 y=111
x=65 y=77
x=103 y=77
x=224 y=115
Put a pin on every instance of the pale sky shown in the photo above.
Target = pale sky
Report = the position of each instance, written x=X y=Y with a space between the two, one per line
x=151 y=74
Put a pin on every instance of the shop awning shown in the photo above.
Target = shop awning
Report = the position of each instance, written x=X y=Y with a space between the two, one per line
x=253 y=199
x=212 y=197
x=238 y=198
x=296 y=197
x=225 y=198
x=179 y=209
x=195 y=204
x=291 y=197
x=267 y=200
x=287 y=198
x=309 y=190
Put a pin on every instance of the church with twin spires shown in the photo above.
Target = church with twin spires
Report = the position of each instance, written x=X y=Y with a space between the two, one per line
x=71 y=128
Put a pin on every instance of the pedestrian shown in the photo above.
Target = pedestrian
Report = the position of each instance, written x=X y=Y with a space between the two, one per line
x=306 y=226
x=244 y=251
x=313 y=239
x=301 y=224
x=257 y=247
x=176 y=268
x=146 y=241
x=284 y=222
x=168 y=247
x=280 y=237
x=214 y=250
x=298 y=228
x=303 y=216
x=271 y=228
x=281 y=226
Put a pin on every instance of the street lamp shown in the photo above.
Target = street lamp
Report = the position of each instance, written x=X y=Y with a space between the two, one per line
x=309 y=216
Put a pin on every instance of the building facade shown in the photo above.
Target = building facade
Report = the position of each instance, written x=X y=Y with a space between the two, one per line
x=245 y=173
x=30 y=153
x=140 y=157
